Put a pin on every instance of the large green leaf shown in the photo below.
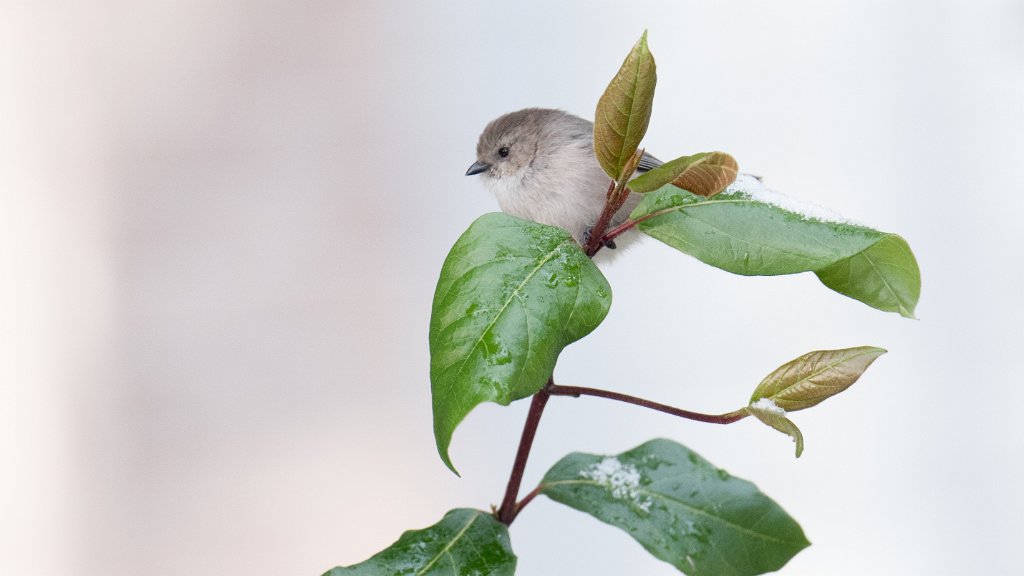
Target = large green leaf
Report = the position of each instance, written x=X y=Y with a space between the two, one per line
x=512 y=294
x=679 y=507
x=624 y=110
x=464 y=543
x=749 y=230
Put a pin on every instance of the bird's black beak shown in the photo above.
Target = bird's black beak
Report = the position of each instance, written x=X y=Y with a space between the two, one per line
x=477 y=168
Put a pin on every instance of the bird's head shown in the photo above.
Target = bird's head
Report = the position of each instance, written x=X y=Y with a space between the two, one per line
x=508 y=145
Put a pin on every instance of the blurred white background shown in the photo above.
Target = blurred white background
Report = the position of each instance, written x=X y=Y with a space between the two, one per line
x=221 y=224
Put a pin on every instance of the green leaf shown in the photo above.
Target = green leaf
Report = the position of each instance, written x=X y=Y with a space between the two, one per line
x=679 y=507
x=704 y=174
x=768 y=412
x=624 y=110
x=512 y=294
x=808 y=380
x=749 y=230
x=886 y=274
x=464 y=543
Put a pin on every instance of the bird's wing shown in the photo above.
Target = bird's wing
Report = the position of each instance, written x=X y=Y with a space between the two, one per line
x=648 y=162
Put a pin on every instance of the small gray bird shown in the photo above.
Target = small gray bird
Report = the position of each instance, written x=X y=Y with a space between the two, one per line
x=540 y=164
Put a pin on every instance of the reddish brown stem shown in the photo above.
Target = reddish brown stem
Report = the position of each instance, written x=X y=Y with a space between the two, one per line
x=629 y=224
x=619 y=230
x=528 y=498
x=577 y=391
x=507 y=513
x=611 y=206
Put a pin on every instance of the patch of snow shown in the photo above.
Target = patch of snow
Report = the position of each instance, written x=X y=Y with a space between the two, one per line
x=753 y=188
x=768 y=405
x=621 y=480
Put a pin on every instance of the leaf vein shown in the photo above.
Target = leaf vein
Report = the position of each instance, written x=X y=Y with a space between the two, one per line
x=447 y=546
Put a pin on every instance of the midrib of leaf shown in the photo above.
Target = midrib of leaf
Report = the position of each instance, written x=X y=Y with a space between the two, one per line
x=682 y=504
x=750 y=242
x=826 y=368
x=512 y=296
x=744 y=200
x=664 y=211
x=447 y=546
x=629 y=118
x=799 y=232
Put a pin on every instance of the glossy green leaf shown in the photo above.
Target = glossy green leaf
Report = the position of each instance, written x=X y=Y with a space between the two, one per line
x=624 y=110
x=749 y=230
x=769 y=413
x=704 y=174
x=464 y=543
x=679 y=507
x=512 y=294
x=886 y=274
x=808 y=380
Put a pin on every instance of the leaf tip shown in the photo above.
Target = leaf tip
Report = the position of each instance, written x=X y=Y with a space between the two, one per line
x=448 y=462
x=874 y=352
x=444 y=441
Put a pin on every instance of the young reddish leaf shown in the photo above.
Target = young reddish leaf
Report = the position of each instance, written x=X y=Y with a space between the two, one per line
x=624 y=110
x=768 y=412
x=815 y=376
x=704 y=174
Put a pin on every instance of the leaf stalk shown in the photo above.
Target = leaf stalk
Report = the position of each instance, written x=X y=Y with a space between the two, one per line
x=577 y=391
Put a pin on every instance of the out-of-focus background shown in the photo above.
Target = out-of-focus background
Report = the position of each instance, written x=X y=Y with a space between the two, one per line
x=221 y=224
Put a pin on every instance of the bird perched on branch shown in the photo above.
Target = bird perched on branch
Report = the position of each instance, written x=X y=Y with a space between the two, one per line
x=540 y=165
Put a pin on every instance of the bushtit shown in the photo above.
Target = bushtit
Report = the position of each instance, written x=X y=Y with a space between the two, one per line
x=540 y=164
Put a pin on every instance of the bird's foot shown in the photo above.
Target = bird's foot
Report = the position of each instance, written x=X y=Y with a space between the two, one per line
x=610 y=244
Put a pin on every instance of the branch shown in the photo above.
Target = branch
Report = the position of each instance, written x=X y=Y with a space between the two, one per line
x=630 y=224
x=615 y=199
x=577 y=391
x=507 y=513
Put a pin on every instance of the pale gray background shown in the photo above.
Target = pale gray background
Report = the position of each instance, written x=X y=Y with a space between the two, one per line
x=222 y=222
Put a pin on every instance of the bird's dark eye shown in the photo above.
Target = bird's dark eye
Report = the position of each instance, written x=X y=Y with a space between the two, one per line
x=503 y=151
